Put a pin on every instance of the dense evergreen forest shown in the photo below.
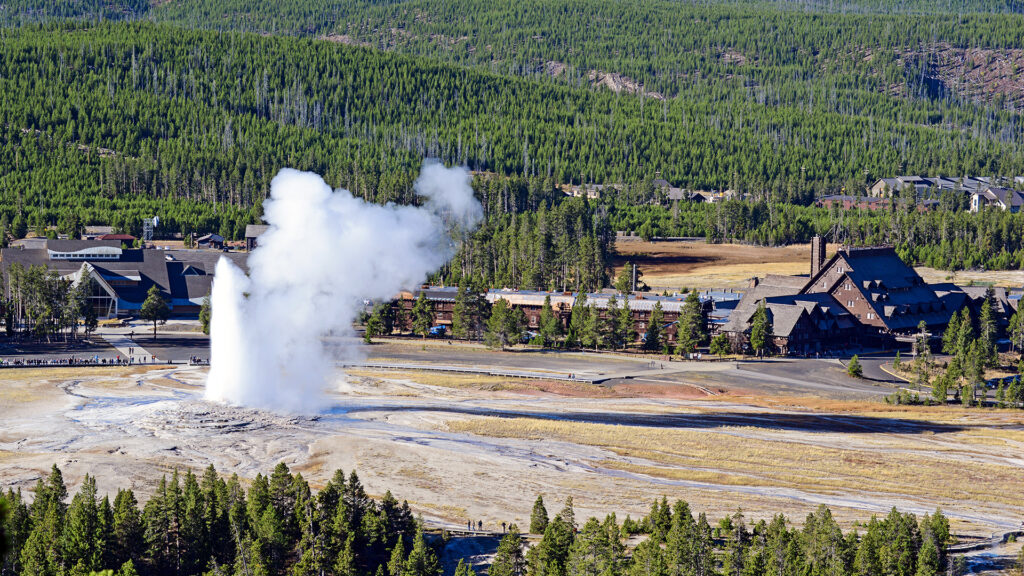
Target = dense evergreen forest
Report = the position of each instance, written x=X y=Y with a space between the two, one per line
x=205 y=525
x=107 y=118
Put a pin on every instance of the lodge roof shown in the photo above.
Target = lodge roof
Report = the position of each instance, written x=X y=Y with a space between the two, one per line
x=898 y=295
x=78 y=245
x=180 y=274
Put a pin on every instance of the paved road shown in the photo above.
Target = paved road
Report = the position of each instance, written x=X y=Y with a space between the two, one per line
x=97 y=347
x=790 y=375
x=872 y=365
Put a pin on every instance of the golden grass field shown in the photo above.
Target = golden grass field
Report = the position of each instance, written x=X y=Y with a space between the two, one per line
x=675 y=265
x=974 y=464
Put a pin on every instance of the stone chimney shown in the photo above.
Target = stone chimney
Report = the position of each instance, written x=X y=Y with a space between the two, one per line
x=817 y=254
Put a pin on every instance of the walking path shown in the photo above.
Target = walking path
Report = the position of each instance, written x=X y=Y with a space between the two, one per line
x=985 y=544
x=643 y=369
x=128 y=348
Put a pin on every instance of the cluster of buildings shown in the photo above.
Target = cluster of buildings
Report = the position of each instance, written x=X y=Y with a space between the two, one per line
x=717 y=306
x=122 y=276
x=1003 y=193
x=858 y=297
x=673 y=193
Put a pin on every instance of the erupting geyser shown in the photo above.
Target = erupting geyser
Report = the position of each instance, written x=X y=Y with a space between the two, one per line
x=323 y=255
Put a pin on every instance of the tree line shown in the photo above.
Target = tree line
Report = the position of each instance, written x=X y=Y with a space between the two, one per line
x=208 y=525
x=612 y=326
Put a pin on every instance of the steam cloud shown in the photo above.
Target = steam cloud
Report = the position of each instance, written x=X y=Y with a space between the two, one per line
x=323 y=255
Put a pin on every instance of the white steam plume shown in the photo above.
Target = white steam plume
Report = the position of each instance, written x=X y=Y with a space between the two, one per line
x=323 y=255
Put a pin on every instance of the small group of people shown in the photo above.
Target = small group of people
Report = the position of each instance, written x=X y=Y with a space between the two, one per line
x=480 y=526
x=197 y=361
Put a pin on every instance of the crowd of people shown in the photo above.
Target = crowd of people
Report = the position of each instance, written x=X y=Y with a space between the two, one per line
x=69 y=361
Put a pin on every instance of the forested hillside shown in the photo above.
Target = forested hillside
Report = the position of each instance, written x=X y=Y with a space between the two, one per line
x=105 y=120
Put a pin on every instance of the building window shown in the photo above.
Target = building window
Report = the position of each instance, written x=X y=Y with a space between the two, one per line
x=849 y=303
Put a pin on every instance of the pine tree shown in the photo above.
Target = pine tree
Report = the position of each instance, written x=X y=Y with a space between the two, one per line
x=653 y=337
x=206 y=314
x=497 y=335
x=578 y=320
x=154 y=308
x=928 y=560
x=952 y=333
x=461 y=317
x=624 y=324
x=127 y=569
x=988 y=331
x=422 y=315
x=824 y=546
x=549 y=327
x=509 y=560
x=692 y=326
x=421 y=561
x=548 y=557
x=760 y=330
x=648 y=560
x=464 y=569
x=854 y=368
x=538 y=516
x=624 y=279
x=679 y=540
x=345 y=565
x=703 y=548
x=591 y=552
x=720 y=345
x=82 y=538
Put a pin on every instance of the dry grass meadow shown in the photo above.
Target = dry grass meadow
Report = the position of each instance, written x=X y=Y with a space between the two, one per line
x=673 y=265
x=677 y=264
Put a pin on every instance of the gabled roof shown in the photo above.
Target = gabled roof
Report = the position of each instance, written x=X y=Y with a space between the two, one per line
x=899 y=296
x=255 y=230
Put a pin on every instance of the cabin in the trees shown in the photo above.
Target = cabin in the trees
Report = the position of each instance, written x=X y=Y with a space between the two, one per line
x=210 y=241
x=252 y=234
